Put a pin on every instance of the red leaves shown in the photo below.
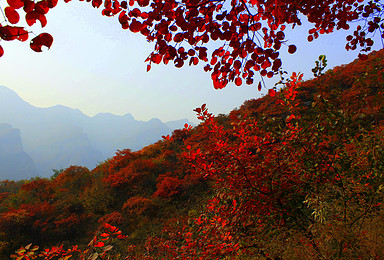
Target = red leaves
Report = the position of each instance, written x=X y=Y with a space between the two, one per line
x=156 y=58
x=29 y=6
x=97 y=3
x=16 y=4
x=112 y=231
x=276 y=65
x=237 y=64
x=166 y=138
x=202 y=114
x=52 y=3
x=218 y=83
x=33 y=16
x=291 y=49
x=43 y=39
x=22 y=34
x=58 y=252
x=193 y=61
x=170 y=24
x=123 y=19
x=179 y=63
x=238 y=81
x=168 y=186
x=363 y=56
x=280 y=35
x=229 y=150
x=121 y=236
x=105 y=236
x=135 y=26
x=12 y=15
x=135 y=12
x=99 y=244
x=42 y=7
x=107 y=12
x=9 y=33
x=143 y=3
x=136 y=206
x=272 y=92
x=178 y=37
x=1 y=51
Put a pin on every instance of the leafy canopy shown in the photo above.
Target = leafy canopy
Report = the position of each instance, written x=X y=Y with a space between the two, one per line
x=250 y=32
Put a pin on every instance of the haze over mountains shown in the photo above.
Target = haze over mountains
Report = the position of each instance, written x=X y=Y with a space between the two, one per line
x=33 y=140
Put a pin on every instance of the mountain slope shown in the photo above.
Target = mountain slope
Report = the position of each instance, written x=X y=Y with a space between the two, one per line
x=255 y=184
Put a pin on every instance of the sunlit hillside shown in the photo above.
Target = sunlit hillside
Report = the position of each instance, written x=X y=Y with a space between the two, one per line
x=297 y=174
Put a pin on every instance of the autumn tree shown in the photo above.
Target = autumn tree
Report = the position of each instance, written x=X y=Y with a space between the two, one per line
x=291 y=185
x=250 y=33
x=38 y=189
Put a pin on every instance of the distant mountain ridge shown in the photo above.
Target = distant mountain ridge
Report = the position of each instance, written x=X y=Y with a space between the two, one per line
x=59 y=136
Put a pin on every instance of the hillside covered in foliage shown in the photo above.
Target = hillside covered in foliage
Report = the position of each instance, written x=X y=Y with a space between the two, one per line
x=297 y=174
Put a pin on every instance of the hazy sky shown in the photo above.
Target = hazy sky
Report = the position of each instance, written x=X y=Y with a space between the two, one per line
x=97 y=67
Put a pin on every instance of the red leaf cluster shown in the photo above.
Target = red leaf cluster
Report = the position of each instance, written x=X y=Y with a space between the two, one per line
x=250 y=33
x=41 y=40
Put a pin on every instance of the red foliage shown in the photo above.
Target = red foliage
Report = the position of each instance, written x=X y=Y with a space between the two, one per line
x=28 y=219
x=68 y=222
x=12 y=15
x=39 y=189
x=74 y=178
x=57 y=252
x=15 y=218
x=138 y=206
x=255 y=172
x=100 y=247
x=120 y=160
x=251 y=33
x=41 y=40
x=282 y=171
x=114 y=218
x=168 y=185
x=125 y=172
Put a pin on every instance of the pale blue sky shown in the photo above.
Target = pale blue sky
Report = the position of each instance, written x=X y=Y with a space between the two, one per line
x=97 y=67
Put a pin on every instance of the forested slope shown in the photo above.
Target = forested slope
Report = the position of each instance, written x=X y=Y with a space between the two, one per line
x=297 y=174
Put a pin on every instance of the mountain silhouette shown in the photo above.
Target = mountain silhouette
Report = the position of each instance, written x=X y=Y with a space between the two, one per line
x=14 y=162
x=57 y=137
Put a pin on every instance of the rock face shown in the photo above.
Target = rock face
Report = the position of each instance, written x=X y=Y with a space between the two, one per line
x=59 y=136
x=15 y=164
x=50 y=136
